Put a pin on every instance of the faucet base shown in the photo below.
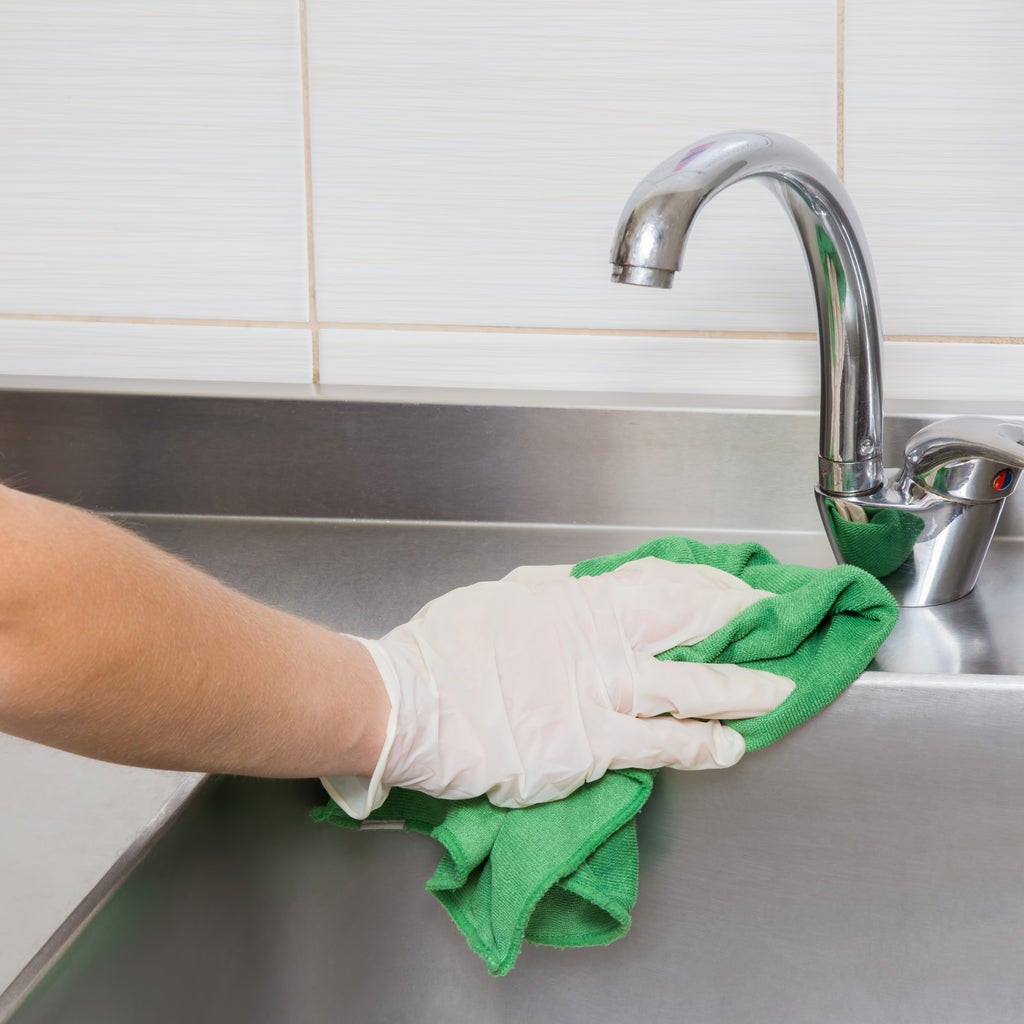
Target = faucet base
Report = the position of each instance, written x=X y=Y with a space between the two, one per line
x=927 y=551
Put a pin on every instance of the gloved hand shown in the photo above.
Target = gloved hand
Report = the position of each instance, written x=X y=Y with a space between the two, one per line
x=527 y=687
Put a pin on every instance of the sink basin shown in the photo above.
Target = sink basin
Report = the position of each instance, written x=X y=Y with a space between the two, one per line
x=866 y=868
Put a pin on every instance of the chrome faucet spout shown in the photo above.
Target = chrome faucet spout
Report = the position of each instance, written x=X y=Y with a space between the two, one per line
x=925 y=529
x=651 y=237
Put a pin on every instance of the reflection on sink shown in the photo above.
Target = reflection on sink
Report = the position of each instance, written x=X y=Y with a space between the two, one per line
x=865 y=869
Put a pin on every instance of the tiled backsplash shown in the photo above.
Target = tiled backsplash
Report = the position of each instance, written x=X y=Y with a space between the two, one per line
x=404 y=193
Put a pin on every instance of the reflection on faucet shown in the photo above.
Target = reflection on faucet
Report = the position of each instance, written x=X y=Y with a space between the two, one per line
x=924 y=529
x=878 y=540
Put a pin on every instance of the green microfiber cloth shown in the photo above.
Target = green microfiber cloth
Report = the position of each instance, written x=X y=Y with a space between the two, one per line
x=565 y=873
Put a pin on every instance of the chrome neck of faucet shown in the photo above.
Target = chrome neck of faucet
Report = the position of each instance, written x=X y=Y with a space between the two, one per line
x=648 y=250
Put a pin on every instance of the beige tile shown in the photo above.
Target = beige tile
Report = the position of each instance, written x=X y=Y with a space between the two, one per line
x=152 y=159
x=155 y=351
x=470 y=160
x=934 y=144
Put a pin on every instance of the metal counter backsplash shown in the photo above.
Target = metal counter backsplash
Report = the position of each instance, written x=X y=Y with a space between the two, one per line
x=612 y=463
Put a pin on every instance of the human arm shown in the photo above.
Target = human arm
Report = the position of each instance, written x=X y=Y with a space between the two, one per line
x=112 y=648
x=521 y=689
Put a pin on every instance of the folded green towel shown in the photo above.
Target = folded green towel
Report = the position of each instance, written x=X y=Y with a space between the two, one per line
x=565 y=873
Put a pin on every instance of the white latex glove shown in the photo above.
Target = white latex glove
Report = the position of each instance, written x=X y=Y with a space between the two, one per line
x=525 y=688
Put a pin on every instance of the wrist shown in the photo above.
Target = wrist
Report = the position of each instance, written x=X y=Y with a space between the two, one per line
x=360 y=791
x=368 y=679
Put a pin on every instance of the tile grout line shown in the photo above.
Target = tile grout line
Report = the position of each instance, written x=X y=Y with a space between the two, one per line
x=606 y=332
x=307 y=156
x=165 y=321
x=569 y=332
x=86 y=318
x=841 y=89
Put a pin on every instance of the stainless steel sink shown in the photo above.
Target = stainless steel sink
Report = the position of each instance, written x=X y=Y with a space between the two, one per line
x=866 y=868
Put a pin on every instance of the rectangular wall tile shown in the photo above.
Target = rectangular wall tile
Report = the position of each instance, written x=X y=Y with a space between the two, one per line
x=155 y=351
x=525 y=360
x=470 y=160
x=152 y=159
x=934 y=372
x=933 y=154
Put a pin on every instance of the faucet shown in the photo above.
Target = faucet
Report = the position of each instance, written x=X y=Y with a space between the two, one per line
x=923 y=529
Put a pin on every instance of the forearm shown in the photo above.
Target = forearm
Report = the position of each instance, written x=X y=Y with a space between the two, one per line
x=112 y=648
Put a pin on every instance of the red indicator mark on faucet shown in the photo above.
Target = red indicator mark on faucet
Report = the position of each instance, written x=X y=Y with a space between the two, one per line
x=1002 y=480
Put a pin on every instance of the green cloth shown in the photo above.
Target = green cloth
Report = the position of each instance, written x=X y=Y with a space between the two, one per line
x=565 y=873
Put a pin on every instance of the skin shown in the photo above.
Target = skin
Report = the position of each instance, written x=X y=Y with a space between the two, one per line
x=112 y=648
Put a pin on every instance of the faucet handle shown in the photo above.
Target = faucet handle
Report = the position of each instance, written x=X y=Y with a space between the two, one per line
x=926 y=533
x=967 y=458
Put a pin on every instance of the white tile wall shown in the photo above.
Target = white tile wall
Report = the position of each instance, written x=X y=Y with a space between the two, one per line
x=155 y=351
x=470 y=159
x=562 y=361
x=152 y=159
x=644 y=363
x=463 y=165
x=934 y=146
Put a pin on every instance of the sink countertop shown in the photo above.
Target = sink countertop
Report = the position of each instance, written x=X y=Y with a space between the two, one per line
x=450 y=491
x=67 y=819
